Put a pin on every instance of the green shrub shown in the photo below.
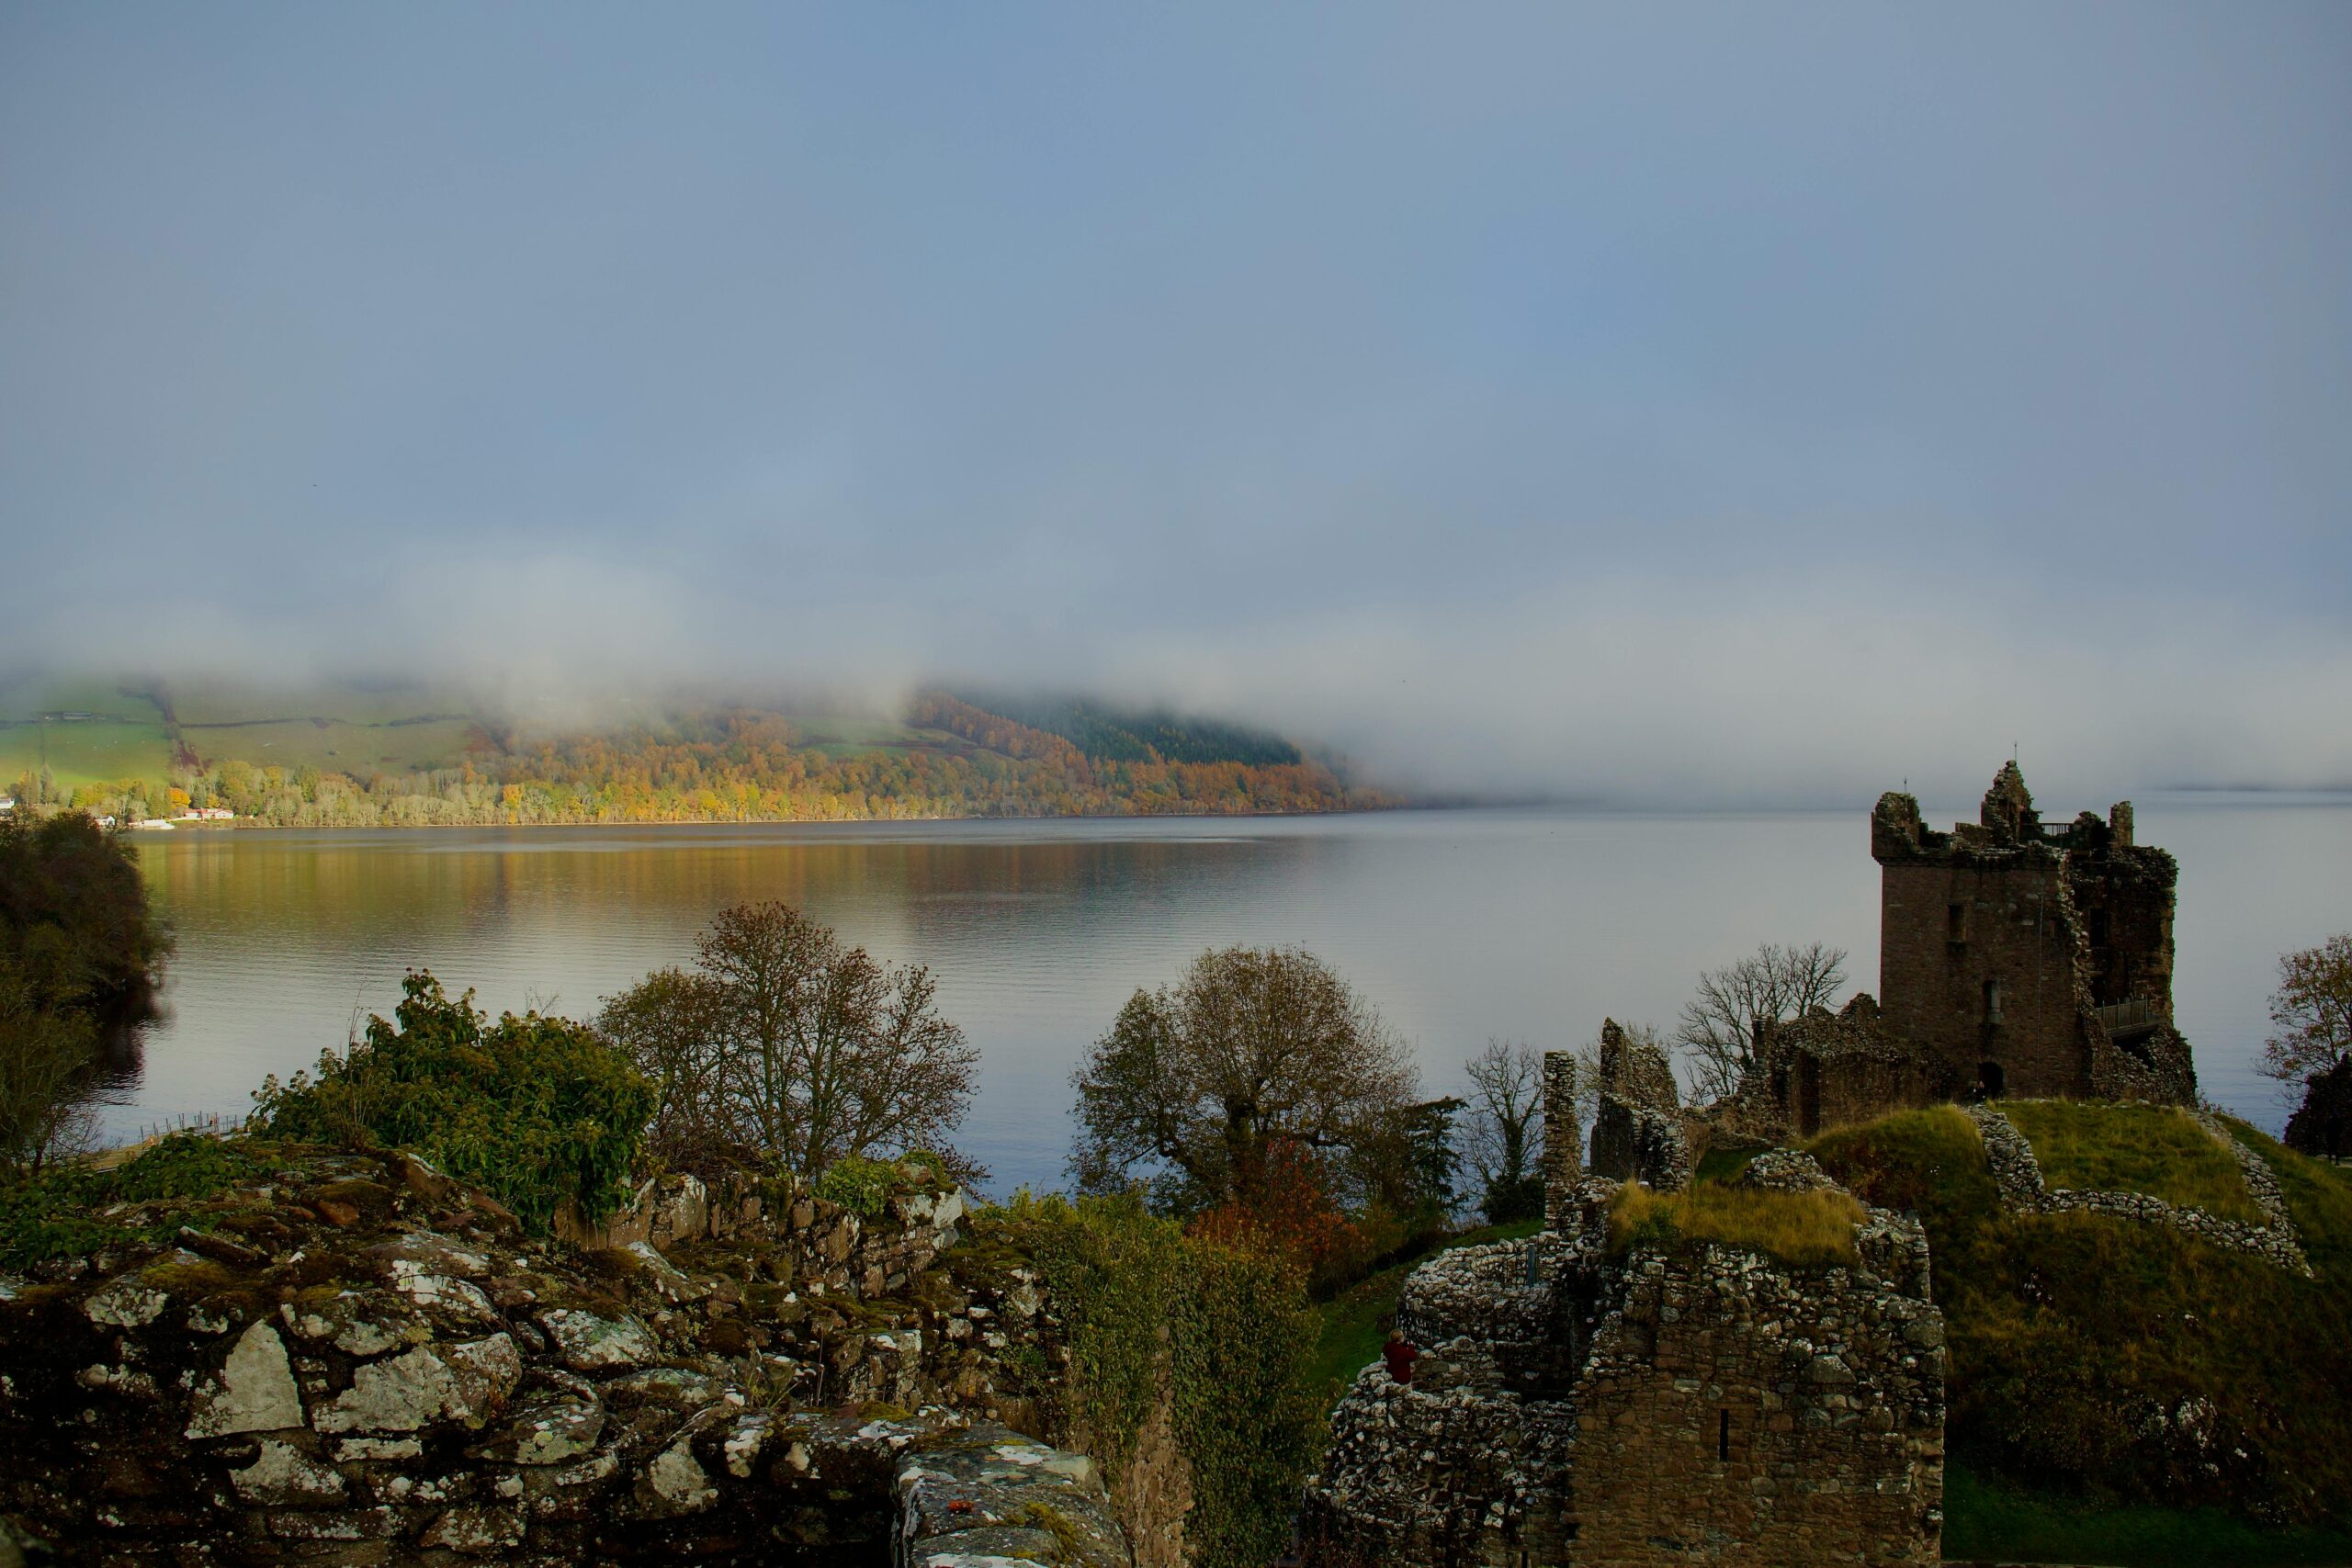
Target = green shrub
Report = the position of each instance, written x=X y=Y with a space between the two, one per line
x=1222 y=1334
x=536 y=1110
x=860 y=1185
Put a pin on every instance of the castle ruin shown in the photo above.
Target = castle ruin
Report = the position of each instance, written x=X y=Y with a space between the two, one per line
x=1579 y=1403
x=2016 y=958
x=2013 y=959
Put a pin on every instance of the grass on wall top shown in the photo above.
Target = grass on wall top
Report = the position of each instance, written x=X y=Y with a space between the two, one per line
x=2156 y=1149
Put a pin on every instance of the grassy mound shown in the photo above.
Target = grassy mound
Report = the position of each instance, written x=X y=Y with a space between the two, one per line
x=1804 y=1228
x=2120 y=1361
x=2156 y=1149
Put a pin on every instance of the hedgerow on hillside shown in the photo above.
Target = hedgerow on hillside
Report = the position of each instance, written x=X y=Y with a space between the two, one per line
x=2124 y=1359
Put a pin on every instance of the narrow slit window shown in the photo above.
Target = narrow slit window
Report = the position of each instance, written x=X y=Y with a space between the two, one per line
x=1956 y=922
x=1722 y=1436
x=1992 y=1002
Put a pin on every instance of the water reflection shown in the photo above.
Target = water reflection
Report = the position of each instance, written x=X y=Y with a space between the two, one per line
x=1460 y=925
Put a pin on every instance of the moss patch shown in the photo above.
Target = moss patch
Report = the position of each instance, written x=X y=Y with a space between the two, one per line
x=2156 y=1149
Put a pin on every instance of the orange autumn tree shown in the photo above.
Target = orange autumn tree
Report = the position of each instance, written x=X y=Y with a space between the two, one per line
x=1292 y=1216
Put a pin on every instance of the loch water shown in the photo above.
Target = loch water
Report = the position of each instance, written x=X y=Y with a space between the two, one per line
x=1459 y=925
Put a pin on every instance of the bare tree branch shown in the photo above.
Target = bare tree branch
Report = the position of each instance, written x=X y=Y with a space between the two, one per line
x=1721 y=1022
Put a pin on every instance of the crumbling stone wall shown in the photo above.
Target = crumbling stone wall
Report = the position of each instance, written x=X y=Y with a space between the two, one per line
x=1563 y=1137
x=2027 y=960
x=1734 y=1410
x=360 y=1360
x=1637 y=1132
x=1829 y=1070
x=1684 y=1405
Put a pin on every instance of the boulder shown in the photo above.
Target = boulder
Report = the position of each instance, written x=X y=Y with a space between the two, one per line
x=254 y=1391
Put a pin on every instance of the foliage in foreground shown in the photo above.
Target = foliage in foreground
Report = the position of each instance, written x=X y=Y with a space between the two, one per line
x=2311 y=1013
x=535 y=1110
x=2121 y=1361
x=78 y=949
x=56 y=1213
x=1219 y=1335
x=1193 y=1085
x=1802 y=1228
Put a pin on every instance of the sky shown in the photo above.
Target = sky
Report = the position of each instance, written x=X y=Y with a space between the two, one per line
x=1689 y=402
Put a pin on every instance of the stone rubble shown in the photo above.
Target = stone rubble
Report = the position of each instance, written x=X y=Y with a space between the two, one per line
x=364 y=1362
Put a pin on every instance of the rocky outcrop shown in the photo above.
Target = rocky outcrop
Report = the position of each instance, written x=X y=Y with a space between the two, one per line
x=357 y=1360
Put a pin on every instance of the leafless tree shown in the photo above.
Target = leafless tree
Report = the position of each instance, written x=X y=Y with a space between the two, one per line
x=673 y=1026
x=785 y=1042
x=1776 y=984
x=1191 y=1086
x=1502 y=1138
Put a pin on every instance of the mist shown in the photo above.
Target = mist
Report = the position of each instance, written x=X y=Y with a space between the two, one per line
x=1689 y=408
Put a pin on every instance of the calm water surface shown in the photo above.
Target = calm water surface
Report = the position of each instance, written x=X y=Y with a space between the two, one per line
x=1459 y=924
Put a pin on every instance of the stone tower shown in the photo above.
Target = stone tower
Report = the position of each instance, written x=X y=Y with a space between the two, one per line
x=2030 y=960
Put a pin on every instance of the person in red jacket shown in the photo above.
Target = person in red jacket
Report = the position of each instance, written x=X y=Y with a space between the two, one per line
x=1400 y=1353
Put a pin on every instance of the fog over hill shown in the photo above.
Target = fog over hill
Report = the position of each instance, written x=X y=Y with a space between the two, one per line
x=1573 y=404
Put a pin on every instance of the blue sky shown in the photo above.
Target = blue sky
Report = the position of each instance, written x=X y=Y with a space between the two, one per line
x=1560 y=398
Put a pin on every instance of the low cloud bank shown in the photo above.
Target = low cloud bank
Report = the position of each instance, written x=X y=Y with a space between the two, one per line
x=1817 y=688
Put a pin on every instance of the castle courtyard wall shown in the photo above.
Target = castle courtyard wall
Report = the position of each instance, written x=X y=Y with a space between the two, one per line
x=1736 y=1411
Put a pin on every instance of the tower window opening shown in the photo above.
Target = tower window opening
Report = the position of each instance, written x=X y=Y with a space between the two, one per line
x=1722 y=1436
x=1992 y=1002
x=1955 y=923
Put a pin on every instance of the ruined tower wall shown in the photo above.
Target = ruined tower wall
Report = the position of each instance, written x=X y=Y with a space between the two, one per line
x=2126 y=898
x=1563 y=1140
x=1735 y=1411
x=1977 y=963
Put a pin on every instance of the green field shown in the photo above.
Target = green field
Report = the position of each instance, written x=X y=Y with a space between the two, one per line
x=84 y=753
x=333 y=745
x=126 y=739
x=837 y=735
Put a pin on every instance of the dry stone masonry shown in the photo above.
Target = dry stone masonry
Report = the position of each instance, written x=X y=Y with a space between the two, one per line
x=360 y=1361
